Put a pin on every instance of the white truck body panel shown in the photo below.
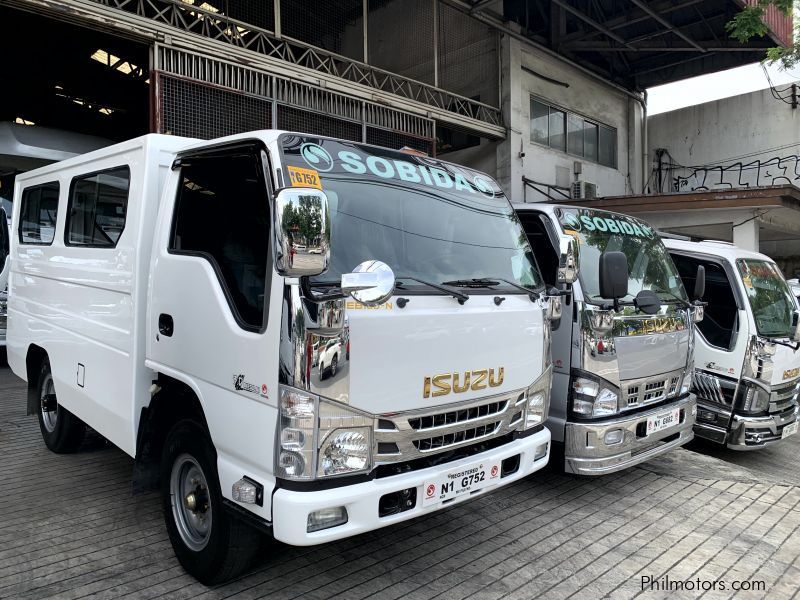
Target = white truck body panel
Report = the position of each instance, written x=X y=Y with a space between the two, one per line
x=86 y=305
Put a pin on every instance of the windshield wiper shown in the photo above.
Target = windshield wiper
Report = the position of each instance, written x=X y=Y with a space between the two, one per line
x=460 y=296
x=489 y=282
x=685 y=303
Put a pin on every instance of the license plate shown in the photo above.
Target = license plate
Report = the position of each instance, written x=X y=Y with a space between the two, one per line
x=662 y=421
x=790 y=429
x=460 y=482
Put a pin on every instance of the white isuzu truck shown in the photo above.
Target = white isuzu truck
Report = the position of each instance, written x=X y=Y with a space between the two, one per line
x=747 y=353
x=189 y=295
x=622 y=351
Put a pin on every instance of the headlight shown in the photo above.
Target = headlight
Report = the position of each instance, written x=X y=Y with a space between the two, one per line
x=537 y=400
x=756 y=399
x=342 y=445
x=592 y=398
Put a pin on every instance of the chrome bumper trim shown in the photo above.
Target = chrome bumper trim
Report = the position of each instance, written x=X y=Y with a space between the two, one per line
x=753 y=433
x=585 y=452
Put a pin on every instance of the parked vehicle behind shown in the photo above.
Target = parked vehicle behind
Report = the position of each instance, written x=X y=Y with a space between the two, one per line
x=623 y=349
x=747 y=354
x=178 y=302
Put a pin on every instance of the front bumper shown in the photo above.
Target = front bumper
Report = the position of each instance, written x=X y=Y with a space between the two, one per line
x=585 y=451
x=752 y=433
x=290 y=509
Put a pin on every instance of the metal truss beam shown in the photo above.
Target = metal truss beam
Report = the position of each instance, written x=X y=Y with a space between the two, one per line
x=176 y=23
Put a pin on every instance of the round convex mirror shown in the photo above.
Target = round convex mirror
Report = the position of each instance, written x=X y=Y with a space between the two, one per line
x=383 y=288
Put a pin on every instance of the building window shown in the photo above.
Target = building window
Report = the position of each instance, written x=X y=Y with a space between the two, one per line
x=572 y=133
x=37 y=214
x=98 y=205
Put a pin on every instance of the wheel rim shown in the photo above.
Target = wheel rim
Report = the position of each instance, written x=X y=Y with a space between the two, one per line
x=334 y=362
x=191 y=502
x=48 y=405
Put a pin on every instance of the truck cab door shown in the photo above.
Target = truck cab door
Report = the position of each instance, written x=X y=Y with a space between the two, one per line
x=5 y=247
x=213 y=315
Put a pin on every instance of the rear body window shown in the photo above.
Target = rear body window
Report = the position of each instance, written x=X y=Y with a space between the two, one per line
x=98 y=204
x=37 y=214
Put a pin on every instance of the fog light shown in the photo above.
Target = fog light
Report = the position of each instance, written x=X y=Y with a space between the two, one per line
x=248 y=491
x=615 y=436
x=707 y=415
x=541 y=452
x=326 y=518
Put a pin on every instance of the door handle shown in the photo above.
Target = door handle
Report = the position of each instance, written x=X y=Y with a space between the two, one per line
x=166 y=326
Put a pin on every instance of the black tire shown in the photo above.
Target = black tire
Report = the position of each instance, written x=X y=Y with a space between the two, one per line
x=321 y=371
x=62 y=431
x=334 y=365
x=227 y=547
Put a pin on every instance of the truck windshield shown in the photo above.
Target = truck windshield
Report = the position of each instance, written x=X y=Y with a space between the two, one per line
x=426 y=219
x=649 y=264
x=769 y=295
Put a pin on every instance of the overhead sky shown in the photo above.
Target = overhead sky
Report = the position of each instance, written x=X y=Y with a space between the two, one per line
x=714 y=86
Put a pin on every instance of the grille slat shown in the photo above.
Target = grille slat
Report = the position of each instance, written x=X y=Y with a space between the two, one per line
x=457 y=437
x=447 y=419
x=652 y=390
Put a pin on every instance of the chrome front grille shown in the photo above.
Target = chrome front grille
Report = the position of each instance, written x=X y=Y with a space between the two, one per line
x=414 y=434
x=641 y=392
x=447 y=440
x=782 y=398
x=457 y=416
x=708 y=387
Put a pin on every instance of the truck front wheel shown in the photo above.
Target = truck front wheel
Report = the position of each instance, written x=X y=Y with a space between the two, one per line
x=61 y=430
x=210 y=544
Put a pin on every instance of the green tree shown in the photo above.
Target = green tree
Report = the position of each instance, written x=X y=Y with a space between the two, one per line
x=749 y=23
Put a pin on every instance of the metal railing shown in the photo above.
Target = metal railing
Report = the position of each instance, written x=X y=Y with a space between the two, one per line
x=194 y=19
x=546 y=191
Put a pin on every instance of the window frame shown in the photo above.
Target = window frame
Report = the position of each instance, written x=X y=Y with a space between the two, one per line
x=38 y=186
x=68 y=220
x=567 y=113
x=730 y=273
x=260 y=153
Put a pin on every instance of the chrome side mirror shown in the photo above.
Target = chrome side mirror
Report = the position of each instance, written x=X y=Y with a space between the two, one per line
x=302 y=232
x=699 y=312
x=371 y=283
x=567 y=262
x=554 y=305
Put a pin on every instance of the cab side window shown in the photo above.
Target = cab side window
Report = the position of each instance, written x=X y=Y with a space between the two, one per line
x=721 y=313
x=37 y=214
x=98 y=204
x=546 y=255
x=222 y=214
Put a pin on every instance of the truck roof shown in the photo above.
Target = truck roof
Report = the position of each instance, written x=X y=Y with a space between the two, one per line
x=172 y=143
x=715 y=248
x=551 y=208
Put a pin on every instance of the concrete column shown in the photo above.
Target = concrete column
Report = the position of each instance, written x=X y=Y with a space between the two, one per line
x=745 y=234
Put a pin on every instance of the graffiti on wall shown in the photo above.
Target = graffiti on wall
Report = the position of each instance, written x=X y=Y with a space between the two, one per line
x=778 y=170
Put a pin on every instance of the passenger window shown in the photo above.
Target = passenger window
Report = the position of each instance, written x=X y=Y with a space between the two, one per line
x=37 y=214
x=222 y=214
x=98 y=204
x=719 y=322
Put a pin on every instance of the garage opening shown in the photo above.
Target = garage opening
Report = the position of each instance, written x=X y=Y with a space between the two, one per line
x=72 y=78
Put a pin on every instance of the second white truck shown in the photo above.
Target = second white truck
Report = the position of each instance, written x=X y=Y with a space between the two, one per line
x=623 y=348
